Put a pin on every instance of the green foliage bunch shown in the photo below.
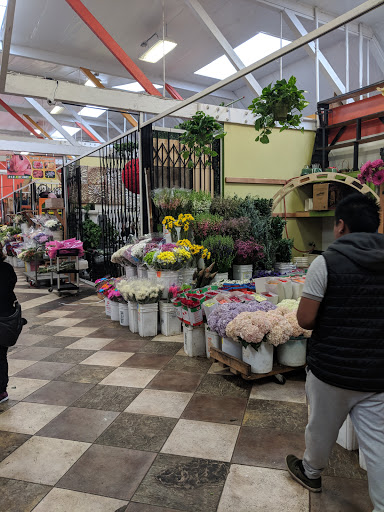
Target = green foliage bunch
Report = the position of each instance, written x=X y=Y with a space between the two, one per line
x=222 y=249
x=92 y=232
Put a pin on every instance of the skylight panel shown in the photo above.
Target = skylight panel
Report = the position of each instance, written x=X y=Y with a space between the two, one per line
x=134 y=87
x=70 y=129
x=252 y=50
x=91 y=112
x=3 y=8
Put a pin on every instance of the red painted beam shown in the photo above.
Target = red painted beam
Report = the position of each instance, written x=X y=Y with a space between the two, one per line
x=175 y=95
x=87 y=132
x=112 y=46
x=20 y=119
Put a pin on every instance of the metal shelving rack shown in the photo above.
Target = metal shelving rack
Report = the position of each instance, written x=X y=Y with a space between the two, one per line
x=61 y=256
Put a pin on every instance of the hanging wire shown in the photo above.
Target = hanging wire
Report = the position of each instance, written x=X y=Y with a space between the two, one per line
x=281 y=44
x=163 y=48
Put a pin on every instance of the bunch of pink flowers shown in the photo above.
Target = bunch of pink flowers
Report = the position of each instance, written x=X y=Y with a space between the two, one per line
x=372 y=172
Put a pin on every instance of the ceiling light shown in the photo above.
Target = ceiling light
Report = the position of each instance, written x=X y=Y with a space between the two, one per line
x=134 y=87
x=57 y=109
x=70 y=129
x=89 y=83
x=91 y=111
x=24 y=153
x=158 y=50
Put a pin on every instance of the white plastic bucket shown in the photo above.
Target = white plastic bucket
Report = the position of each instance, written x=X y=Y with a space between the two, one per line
x=142 y=272
x=147 y=317
x=115 y=315
x=194 y=340
x=347 y=436
x=186 y=275
x=167 y=278
x=242 y=272
x=124 y=314
x=293 y=352
x=233 y=348
x=220 y=277
x=212 y=339
x=132 y=311
x=151 y=274
x=130 y=271
x=107 y=307
x=261 y=361
x=170 y=324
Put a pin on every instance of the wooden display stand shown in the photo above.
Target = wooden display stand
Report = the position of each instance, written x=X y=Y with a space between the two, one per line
x=60 y=216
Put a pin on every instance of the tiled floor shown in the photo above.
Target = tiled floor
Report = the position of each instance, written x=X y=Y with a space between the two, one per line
x=101 y=420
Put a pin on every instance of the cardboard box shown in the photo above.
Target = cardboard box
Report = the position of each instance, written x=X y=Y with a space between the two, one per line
x=320 y=196
x=308 y=205
x=55 y=203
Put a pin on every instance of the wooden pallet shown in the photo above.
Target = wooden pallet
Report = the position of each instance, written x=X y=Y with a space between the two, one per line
x=238 y=367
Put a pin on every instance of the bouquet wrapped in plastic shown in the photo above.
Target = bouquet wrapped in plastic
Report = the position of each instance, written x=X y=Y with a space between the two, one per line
x=66 y=245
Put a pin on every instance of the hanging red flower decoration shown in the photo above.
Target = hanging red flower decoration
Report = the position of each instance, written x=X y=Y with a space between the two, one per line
x=131 y=176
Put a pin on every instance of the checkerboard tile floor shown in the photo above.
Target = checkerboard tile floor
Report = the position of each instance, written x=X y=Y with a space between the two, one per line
x=102 y=420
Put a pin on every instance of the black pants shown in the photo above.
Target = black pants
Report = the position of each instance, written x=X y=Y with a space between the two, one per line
x=3 y=369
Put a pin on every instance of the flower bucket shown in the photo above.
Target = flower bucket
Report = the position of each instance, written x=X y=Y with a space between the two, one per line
x=130 y=271
x=132 y=311
x=147 y=318
x=107 y=307
x=167 y=278
x=293 y=352
x=167 y=235
x=170 y=324
x=186 y=275
x=124 y=314
x=151 y=274
x=347 y=436
x=194 y=340
x=220 y=277
x=233 y=348
x=261 y=361
x=242 y=272
x=141 y=272
x=212 y=339
x=115 y=315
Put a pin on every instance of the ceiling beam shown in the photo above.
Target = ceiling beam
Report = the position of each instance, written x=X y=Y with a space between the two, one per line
x=36 y=125
x=20 y=119
x=115 y=126
x=35 y=104
x=85 y=126
x=299 y=29
x=175 y=95
x=250 y=80
x=112 y=46
x=10 y=14
x=16 y=144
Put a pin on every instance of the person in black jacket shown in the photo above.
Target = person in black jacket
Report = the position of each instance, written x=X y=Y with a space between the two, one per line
x=343 y=302
x=8 y=281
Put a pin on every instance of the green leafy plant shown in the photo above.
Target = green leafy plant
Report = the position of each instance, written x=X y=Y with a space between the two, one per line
x=128 y=147
x=277 y=103
x=222 y=249
x=226 y=207
x=200 y=133
x=284 y=250
x=92 y=232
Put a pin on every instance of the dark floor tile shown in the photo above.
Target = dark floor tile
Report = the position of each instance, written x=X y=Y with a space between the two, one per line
x=86 y=373
x=108 y=398
x=69 y=356
x=176 y=381
x=139 y=432
x=46 y=331
x=280 y=416
x=216 y=408
x=341 y=495
x=125 y=345
x=183 y=483
x=150 y=361
x=122 y=472
x=77 y=424
x=58 y=393
x=91 y=322
x=345 y=464
x=266 y=448
x=33 y=353
x=56 y=341
x=110 y=332
x=223 y=385
x=84 y=313
x=5 y=406
x=17 y=496
x=143 y=507
x=162 y=347
x=189 y=364
x=9 y=442
x=44 y=370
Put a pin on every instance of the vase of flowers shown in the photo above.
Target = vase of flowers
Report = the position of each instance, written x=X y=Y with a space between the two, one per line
x=167 y=262
x=248 y=253
x=222 y=250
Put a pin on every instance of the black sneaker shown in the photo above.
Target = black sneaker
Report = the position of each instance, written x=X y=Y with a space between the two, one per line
x=296 y=470
x=3 y=397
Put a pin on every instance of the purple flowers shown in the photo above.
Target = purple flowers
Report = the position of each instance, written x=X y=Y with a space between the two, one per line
x=372 y=172
x=248 y=252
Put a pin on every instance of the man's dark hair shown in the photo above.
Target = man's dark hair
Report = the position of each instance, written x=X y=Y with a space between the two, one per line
x=359 y=212
x=2 y=256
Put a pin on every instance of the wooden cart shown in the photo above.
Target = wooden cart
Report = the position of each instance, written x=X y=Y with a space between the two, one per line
x=238 y=367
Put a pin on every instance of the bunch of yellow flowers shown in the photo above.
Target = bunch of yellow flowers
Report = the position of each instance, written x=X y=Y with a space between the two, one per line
x=169 y=222
x=198 y=251
x=183 y=255
x=166 y=257
x=184 y=221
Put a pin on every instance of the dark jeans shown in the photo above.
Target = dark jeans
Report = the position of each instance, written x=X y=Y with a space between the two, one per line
x=3 y=369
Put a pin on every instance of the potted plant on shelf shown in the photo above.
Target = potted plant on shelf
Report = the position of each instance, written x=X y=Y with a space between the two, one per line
x=222 y=249
x=247 y=254
x=200 y=133
x=278 y=103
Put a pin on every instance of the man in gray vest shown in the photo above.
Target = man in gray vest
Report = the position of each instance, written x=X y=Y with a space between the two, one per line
x=343 y=302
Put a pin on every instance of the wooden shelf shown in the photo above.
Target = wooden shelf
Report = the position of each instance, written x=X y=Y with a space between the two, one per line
x=307 y=215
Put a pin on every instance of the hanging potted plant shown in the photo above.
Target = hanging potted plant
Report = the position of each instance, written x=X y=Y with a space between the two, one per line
x=200 y=133
x=282 y=103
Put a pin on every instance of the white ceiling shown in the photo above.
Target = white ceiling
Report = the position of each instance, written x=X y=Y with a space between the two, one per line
x=50 y=40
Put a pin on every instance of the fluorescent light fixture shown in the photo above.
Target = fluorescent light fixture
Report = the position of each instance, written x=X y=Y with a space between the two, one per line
x=89 y=83
x=91 y=112
x=158 y=50
x=57 y=109
x=70 y=129
x=24 y=153
x=37 y=131
x=252 y=50
x=134 y=87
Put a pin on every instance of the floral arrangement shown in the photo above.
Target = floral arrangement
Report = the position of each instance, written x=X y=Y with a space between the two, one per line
x=200 y=201
x=247 y=253
x=18 y=219
x=52 y=224
x=297 y=331
x=205 y=225
x=103 y=286
x=171 y=260
x=135 y=252
x=287 y=306
x=170 y=202
x=183 y=222
x=31 y=254
x=119 y=258
x=197 y=251
x=222 y=249
x=372 y=172
x=142 y=291
x=41 y=238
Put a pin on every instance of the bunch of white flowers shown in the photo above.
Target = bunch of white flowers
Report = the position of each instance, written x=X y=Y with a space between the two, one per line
x=142 y=291
x=119 y=258
x=51 y=224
